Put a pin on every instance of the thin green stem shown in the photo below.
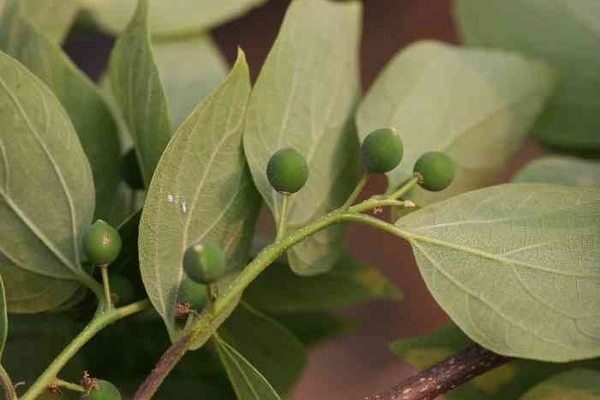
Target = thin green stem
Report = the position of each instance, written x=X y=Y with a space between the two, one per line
x=100 y=321
x=9 y=388
x=405 y=188
x=68 y=385
x=357 y=191
x=285 y=197
x=106 y=285
x=94 y=286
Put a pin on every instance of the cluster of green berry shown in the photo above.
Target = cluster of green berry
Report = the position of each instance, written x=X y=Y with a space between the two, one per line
x=381 y=152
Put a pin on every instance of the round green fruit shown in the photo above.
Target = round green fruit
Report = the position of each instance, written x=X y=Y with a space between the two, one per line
x=382 y=151
x=287 y=171
x=437 y=171
x=130 y=170
x=121 y=289
x=102 y=243
x=194 y=294
x=204 y=262
x=103 y=390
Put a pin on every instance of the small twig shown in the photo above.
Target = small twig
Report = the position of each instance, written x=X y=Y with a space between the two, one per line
x=445 y=375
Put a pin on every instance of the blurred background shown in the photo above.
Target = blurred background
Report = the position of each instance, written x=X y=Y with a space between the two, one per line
x=357 y=364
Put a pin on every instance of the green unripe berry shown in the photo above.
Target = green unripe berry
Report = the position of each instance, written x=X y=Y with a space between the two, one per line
x=102 y=243
x=121 y=289
x=103 y=390
x=204 y=263
x=437 y=170
x=130 y=170
x=287 y=171
x=382 y=151
x=194 y=294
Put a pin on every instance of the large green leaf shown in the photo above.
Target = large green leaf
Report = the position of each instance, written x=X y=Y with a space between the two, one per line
x=137 y=89
x=475 y=105
x=190 y=69
x=248 y=383
x=507 y=382
x=169 y=17
x=561 y=170
x=52 y=17
x=516 y=266
x=565 y=33
x=46 y=193
x=278 y=290
x=303 y=99
x=79 y=96
x=578 y=384
x=201 y=190
x=267 y=345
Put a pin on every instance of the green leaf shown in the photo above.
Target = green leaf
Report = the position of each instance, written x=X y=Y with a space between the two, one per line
x=190 y=69
x=314 y=327
x=46 y=194
x=53 y=18
x=201 y=190
x=79 y=96
x=304 y=98
x=137 y=89
x=267 y=345
x=169 y=17
x=561 y=170
x=248 y=383
x=350 y=282
x=516 y=267
x=3 y=318
x=507 y=382
x=571 y=385
x=475 y=105
x=564 y=33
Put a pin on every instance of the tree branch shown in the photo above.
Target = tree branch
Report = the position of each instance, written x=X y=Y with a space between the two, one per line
x=445 y=375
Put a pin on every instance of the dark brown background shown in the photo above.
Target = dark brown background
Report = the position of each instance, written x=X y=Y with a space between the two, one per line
x=359 y=364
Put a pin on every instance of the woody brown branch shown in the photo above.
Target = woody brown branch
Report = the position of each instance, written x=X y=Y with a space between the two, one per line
x=444 y=376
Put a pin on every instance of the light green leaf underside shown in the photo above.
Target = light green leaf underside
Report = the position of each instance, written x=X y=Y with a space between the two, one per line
x=51 y=17
x=507 y=382
x=46 y=188
x=190 y=69
x=350 y=282
x=577 y=384
x=201 y=190
x=303 y=99
x=137 y=89
x=267 y=345
x=3 y=318
x=79 y=96
x=561 y=170
x=475 y=105
x=516 y=266
x=248 y=383
x=564 y=33
x=169 y=17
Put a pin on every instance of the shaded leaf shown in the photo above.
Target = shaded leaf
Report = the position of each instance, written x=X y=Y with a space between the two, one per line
x=564 y=33
x=170 y=17
x=349 y=282
x=137 y=89
x=201 y=190
x=475 y=105
x=304 y=98
x=314 y=327
x=190 y=69
x=507 y=382
x=248 y=383
x=267 y=345
x=46 y=194
x=516 y=267
x=561 y=170
x=571 y=385
x=79 y=96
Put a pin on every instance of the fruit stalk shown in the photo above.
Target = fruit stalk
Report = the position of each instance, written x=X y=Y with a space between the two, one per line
x=106 y=285
x=9 y=388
